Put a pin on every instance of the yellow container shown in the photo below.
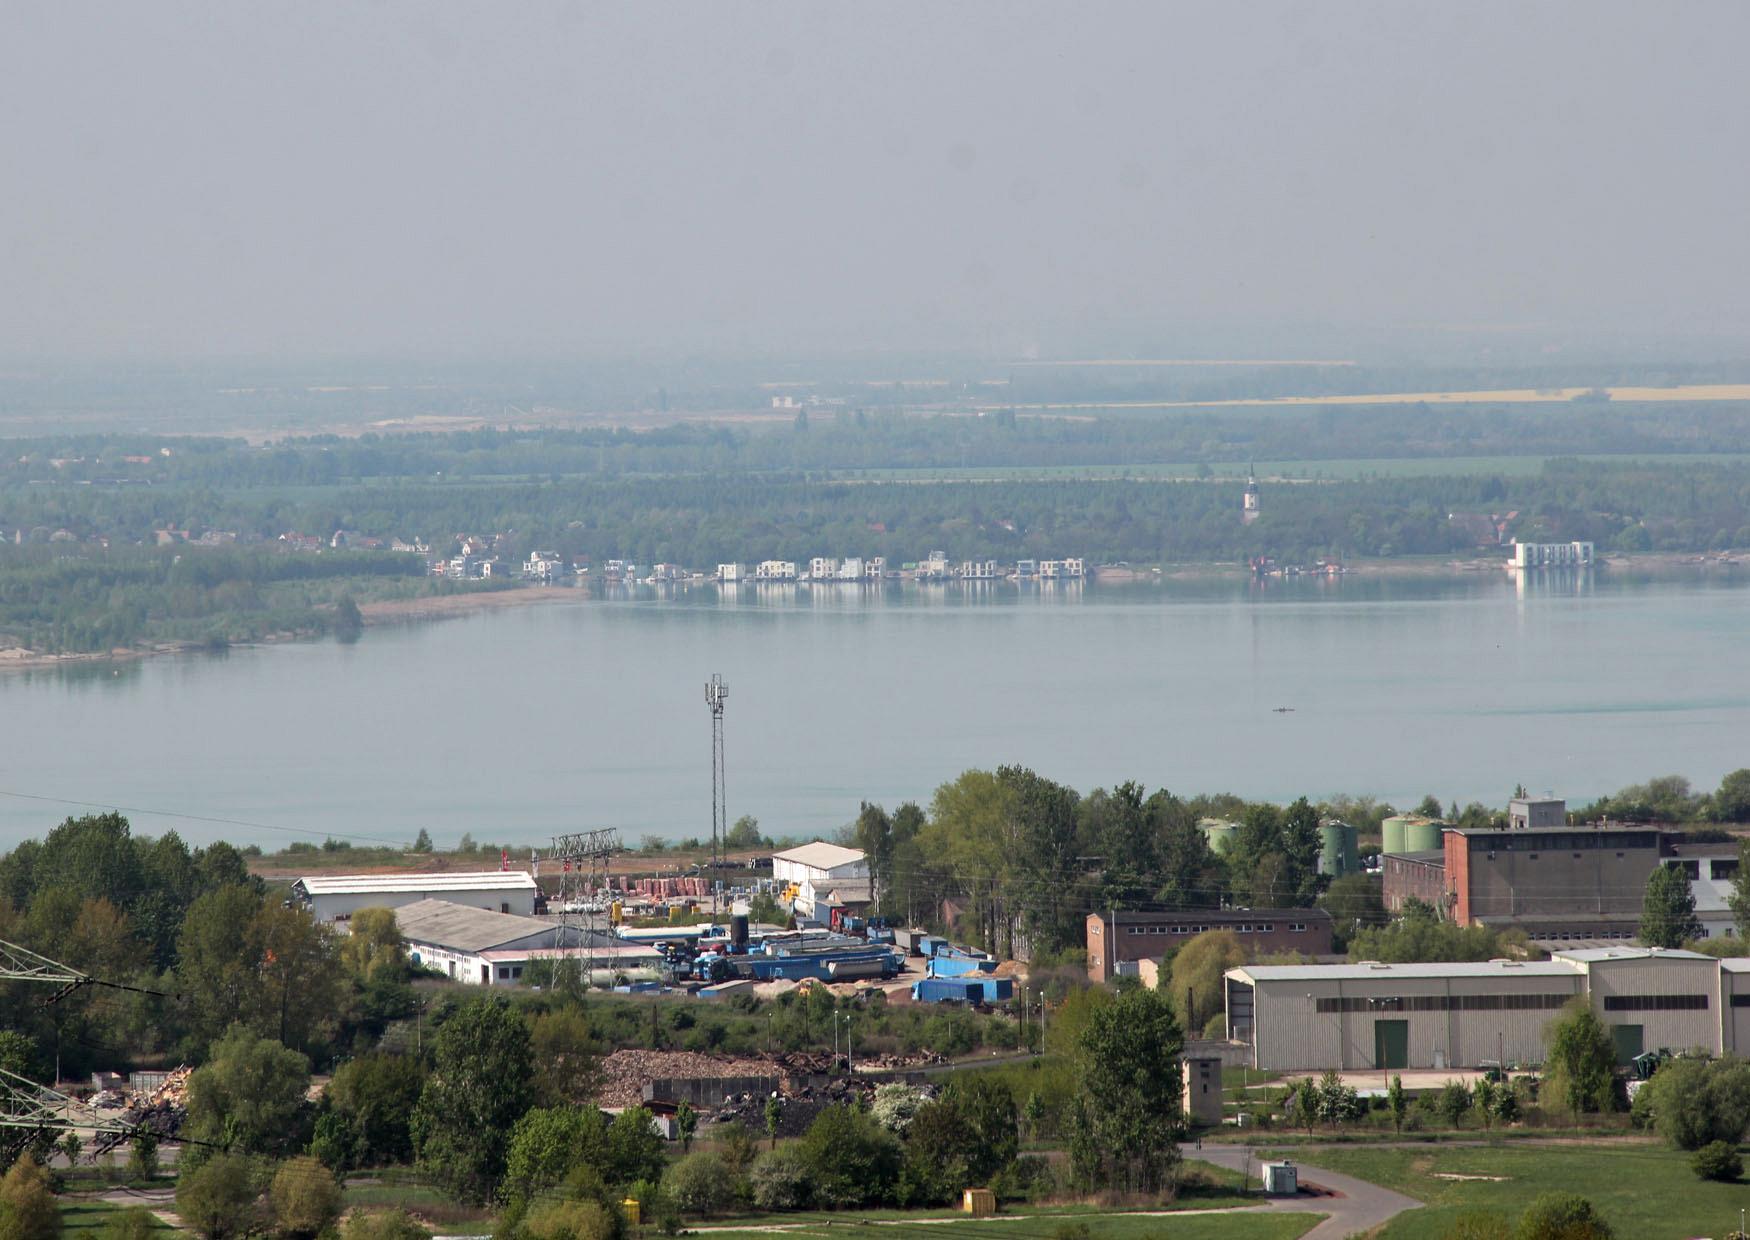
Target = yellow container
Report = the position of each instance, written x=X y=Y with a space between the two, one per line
x=630 y=1208
x=978 y=1202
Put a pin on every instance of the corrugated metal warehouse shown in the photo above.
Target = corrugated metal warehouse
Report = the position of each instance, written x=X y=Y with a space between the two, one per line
x=1359 y=1016
x=335 y=897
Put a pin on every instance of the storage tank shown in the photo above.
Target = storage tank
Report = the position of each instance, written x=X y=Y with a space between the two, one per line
x=1422 y=834
x=1219 y=833
x=738 y=929
x=1339 y=851
x=1392 y=835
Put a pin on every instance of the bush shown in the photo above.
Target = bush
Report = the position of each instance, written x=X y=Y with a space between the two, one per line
x=143 y=1157
x=1717 y=1161
x=133 y=1223
x=1453 y=1102
x=851 y=1159
x=1562 y=1216
x=384 y=1225
x=780 y=1180
x=1029 y=1178
x=304 y=1197
x=217 y=1199
x=570 y=1220
x=894 y=1107
x=700 y=1184
x=1692 y=1102
x=27 y=1205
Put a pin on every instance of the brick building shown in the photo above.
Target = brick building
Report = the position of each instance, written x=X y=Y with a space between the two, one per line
x=1149 y=936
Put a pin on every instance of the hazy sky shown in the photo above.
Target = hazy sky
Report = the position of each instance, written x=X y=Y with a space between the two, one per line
x=569 y=178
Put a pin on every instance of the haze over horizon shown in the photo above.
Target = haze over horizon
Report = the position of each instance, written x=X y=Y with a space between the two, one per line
x=208 y=180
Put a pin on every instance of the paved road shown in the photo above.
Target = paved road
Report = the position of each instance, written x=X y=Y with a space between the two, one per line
x=1359 y=1207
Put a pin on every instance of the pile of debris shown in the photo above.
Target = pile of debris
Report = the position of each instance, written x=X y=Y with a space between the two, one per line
x=625 y=1073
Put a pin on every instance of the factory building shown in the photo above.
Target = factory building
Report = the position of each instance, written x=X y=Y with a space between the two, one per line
x=1464 y=1015
x=1149 y=936
x=814 y=872
x=335 y=897
x=1558 y=883
x=492 y=949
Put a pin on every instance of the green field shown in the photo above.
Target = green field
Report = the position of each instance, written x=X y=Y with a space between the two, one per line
x=1646 y=1192
x=1044 y=1226
x=80 y=1217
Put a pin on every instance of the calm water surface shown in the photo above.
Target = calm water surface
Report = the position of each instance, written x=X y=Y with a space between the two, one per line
x=515 y=724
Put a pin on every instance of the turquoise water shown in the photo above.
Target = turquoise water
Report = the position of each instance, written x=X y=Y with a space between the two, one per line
x=515 y=724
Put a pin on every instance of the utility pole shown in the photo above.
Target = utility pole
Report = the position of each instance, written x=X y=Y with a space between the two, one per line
x=716 y=696
x=583 y=880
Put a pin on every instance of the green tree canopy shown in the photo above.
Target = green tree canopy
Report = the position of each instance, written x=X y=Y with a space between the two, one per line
x=480 y=1086
x=1579 y=1072
x=1128 y=1116
x=249 y=1095
x=1668 y=909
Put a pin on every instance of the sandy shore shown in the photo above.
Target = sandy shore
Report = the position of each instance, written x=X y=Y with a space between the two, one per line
x=441 y=606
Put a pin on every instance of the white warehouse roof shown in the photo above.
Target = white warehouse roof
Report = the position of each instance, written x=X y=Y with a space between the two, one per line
x=375 y=884
x=821 y=856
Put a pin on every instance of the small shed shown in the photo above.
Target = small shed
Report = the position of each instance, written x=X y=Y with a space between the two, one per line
x=1280 y=1179
x=978 y=1202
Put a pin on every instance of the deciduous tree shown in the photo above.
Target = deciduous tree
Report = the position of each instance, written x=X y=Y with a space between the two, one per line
x=1128 y=1116
x=1668 y=909
x=480 y=1086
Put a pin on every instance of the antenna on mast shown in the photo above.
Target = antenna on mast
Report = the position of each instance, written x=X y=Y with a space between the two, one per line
x=716 y=695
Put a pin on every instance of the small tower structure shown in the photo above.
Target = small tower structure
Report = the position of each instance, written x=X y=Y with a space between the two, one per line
x=1249 y=511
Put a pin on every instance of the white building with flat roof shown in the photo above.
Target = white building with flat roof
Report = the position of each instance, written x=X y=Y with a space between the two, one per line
x=335 y=897
x=1552 y=555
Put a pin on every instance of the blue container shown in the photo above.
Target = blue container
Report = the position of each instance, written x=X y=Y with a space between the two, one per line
x=946 y=990
x=996 y=989
x=959 y=966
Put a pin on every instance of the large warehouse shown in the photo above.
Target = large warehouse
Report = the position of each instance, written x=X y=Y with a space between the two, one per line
x=336 y=897
x=1369 y=1015
x=492 y=949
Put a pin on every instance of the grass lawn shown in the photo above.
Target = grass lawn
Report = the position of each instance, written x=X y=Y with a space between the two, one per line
x=79 y=1217
x=1044 y=1226
x=1644 y=1191
x=438 y=1211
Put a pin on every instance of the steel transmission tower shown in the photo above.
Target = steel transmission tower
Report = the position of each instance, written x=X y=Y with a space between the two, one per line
x=583 y=892
x=716 y=695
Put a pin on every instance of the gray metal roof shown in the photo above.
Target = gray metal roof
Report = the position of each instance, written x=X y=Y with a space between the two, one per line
x=1597 y=955
x=461 y=928
x=1379 y=972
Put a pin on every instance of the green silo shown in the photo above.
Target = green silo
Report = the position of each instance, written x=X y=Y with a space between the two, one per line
x=1422 y=834
x=1339 y=853
x=1392 y=834
x=1220 y=834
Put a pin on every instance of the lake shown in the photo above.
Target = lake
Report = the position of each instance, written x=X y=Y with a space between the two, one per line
x=517 y=723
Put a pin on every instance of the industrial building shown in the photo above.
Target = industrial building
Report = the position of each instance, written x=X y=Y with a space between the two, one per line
x=337 y=897
x=1149 y=936
x=1558 y=883
x=819 y=872
x=1465 y=1015
x=493 y=949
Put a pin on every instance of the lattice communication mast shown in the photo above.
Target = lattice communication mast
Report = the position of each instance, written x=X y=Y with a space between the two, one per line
x=583 y=892
x=716 y=695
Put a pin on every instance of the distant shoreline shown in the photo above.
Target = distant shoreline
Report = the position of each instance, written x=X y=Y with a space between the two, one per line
x=449 y=606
